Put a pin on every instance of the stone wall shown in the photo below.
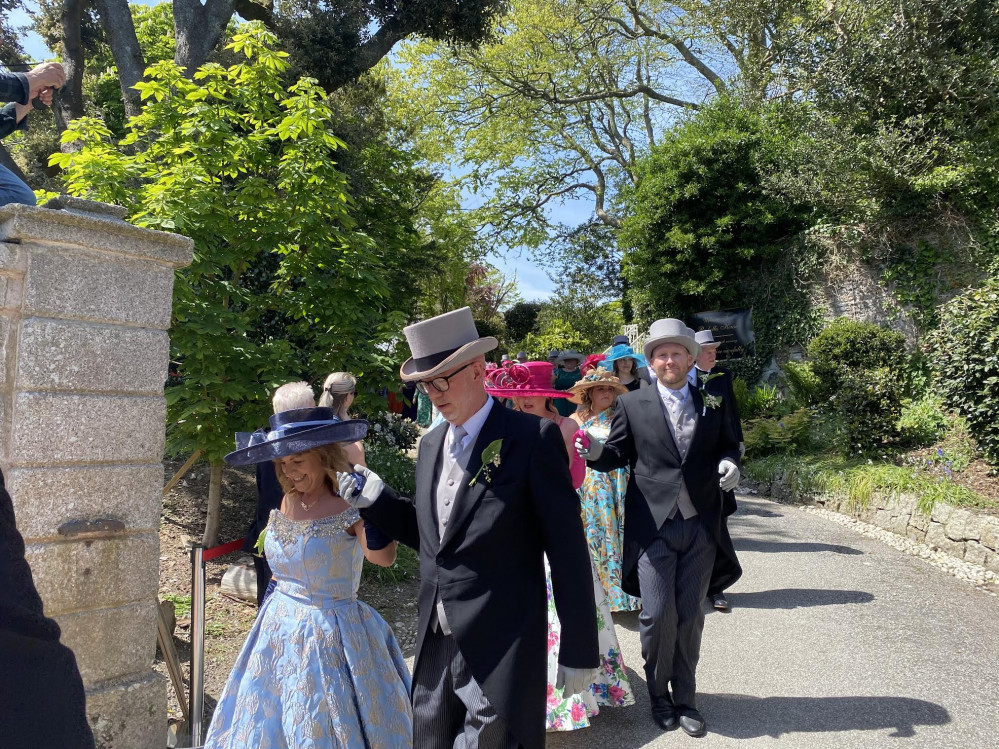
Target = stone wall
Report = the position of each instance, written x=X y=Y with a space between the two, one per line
x=85 y=304
x=962 y=534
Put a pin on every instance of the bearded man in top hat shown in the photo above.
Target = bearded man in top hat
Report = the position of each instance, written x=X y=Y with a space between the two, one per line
x=493 y=495
x=717 y=381
x=677 y=444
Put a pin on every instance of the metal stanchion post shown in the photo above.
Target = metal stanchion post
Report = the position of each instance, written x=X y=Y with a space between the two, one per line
x=197 y=696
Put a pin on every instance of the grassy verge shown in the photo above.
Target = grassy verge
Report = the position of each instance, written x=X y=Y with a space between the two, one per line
x=859 y=480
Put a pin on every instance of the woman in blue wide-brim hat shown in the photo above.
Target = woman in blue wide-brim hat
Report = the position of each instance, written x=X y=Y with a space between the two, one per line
x=319 y=668
x=624 y=364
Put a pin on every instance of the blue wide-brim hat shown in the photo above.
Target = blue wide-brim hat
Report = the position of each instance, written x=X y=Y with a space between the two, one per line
x=295 y=432
x=622 y=351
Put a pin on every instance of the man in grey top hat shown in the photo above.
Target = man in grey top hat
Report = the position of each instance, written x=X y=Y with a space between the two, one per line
x=717 y=381
x=493 y=497
x=682 y=453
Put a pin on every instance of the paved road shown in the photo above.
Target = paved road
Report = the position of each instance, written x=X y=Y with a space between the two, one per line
x=834 y=640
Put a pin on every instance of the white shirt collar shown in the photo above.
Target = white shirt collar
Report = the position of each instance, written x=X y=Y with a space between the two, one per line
x=694 y=373
x=681 y=395
x=474 y=424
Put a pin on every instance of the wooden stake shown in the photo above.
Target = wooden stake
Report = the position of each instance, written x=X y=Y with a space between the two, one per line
x=181 y=471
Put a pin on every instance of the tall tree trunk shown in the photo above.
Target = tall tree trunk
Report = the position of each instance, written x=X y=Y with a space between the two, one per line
x=68 y=104
x=198 y=29
x=116 y=19
x=211 y=537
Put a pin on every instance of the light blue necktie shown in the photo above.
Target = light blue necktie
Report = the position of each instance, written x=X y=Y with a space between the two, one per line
x=457 y=442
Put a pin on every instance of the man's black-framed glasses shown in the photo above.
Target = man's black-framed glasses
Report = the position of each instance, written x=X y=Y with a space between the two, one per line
x=440 y=384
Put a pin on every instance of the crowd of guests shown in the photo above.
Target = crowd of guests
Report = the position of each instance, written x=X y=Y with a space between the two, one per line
x=549 y=496
x=533 y=528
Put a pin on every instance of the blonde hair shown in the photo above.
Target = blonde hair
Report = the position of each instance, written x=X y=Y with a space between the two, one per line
x=332 y=457
x=337 y=387
x=292 y=396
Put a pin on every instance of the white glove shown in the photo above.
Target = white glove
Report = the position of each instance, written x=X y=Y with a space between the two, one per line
x=742 y=450
x=729 y=473
x=574 y=680
x=373 y=486
x=593 y=451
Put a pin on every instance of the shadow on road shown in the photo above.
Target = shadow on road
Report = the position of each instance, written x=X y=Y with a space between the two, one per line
x=774 y=547
x=760 y=512
x=791 y=598
x=743 y=716
x=626 y=619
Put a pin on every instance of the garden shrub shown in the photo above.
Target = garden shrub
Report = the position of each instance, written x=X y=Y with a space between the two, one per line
x=762 y=402
x=786 y=434
x=393 y=466
x=850 y=345
x=923 y=421
x=868 y=406
x=741 y=392
x=386 y=450
x=964 y=352
x=392 y=430
x=801 y=382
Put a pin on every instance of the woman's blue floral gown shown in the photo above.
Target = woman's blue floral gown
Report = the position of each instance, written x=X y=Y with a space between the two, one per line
x=319 y=668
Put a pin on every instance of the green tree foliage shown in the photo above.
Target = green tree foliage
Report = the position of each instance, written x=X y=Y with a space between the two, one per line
x=705 y=232
x=572 y=320
x=964 y=352
x=283 y=285
x=521 y=318
x=906 y=120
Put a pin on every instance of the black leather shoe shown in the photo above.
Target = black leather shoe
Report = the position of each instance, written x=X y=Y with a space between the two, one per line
x=663 y=713
x=719 y=602
x=691 y=721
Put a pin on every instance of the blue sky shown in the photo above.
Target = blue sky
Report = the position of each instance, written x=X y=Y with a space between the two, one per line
x=532 y=281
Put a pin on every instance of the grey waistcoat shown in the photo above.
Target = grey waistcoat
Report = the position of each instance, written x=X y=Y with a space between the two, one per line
x=682 y=429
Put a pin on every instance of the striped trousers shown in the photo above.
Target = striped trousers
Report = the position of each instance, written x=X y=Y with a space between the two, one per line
x=449 y=709
x=673 y=576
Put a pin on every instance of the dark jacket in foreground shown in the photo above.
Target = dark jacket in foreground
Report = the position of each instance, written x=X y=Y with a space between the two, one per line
x=41 y=692
x=641 y=438
x=489 y=568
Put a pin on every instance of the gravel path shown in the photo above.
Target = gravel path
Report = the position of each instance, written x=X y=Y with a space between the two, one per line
x=840 y=635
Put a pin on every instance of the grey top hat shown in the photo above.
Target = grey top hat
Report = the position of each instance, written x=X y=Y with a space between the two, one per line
x=570 y=354
x=442 y=343
x=552 y=355
x=621 y=339
x=670 y=330
x=521 y=356
x=505 y=357
x=706 y=339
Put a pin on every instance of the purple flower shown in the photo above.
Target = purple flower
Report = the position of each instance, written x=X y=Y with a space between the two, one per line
x=940 y=452
x=780 y=424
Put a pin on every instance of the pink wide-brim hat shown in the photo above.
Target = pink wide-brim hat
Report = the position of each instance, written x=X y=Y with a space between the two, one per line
x=531 y=379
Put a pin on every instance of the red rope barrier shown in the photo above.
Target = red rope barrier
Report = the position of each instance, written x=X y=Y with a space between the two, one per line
x=217 y=551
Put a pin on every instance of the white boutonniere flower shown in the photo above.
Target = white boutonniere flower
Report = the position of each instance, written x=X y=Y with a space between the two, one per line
x=710 y=400
x=490 y=460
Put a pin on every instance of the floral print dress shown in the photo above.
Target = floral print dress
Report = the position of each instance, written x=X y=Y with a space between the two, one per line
x=567 y=712
x=602 y=498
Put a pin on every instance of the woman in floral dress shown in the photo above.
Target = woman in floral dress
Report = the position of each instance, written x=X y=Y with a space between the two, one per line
x=602 y=494
x=529 y=386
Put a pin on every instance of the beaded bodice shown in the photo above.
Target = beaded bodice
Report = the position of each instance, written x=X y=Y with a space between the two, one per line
x=315 y=561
